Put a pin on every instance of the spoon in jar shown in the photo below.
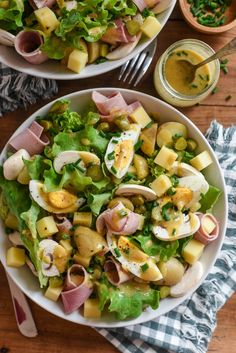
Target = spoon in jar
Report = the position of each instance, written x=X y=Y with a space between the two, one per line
x=191 y=69
x=6 y=38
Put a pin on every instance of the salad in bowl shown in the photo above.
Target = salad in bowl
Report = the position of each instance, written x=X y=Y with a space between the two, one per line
x=107 y=203
x=78 y=33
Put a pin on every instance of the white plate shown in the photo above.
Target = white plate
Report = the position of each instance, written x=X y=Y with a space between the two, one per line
x=54 y=70
x=29 y=284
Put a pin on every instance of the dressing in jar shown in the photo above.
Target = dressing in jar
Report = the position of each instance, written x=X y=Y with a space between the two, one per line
x=171 y=77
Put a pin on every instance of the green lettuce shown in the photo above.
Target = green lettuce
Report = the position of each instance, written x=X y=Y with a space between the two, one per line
x=209 y=199
x=30 y=217
x=96 y=202
x=11 y=16
x=128 y=300
x=54 y=47
x=36 y=167
x=3 y=207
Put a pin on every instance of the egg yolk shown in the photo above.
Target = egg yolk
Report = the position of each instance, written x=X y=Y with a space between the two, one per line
x=61 y=199
x=123 y=154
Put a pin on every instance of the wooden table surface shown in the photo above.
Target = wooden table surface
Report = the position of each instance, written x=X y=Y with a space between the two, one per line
x=57 y=335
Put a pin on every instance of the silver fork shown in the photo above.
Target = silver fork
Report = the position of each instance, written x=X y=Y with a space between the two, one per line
x=136 y=68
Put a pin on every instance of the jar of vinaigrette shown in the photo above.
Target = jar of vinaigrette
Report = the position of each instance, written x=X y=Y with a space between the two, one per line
x=171 y=77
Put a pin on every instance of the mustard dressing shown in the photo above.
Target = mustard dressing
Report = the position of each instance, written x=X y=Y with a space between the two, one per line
x=177 y=74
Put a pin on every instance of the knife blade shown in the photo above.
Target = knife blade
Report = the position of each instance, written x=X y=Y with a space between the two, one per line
x=24 y=318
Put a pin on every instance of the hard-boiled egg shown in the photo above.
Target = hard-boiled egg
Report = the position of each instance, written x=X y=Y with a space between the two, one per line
x=132 y=258
x=68 y=157
x=184 y=169
x=61 y=201
x=120 y=151
x=197 y=184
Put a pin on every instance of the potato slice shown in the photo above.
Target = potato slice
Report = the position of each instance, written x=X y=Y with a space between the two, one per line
x=148 y=137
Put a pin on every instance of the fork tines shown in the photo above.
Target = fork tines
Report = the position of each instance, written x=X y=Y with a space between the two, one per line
x=136 y=68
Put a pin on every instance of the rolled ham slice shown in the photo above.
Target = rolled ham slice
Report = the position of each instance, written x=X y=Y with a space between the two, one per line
x=74 y=295
x=27 y=44
x=32 y=139
x=115 y=274
x=201 y=235
x=63 y=224
x=112 y=221
x=109 y=105
x=118 y=34
x=38 y=4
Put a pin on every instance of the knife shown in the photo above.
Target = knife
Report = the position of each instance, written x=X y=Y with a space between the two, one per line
x=24 y=318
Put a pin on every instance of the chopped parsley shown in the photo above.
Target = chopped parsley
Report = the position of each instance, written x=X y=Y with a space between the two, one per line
x=144 y=267
x=117 y=252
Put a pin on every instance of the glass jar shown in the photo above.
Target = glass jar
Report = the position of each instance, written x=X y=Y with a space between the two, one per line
x=167 y=92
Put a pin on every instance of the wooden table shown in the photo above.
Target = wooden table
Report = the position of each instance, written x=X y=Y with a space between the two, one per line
x=56 y=335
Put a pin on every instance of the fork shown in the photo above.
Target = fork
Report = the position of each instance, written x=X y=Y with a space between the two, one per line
x=136 y=68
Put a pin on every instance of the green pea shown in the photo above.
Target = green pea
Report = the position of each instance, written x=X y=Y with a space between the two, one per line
x=122 y=123
x=103 y=127
x=95 y=172
x=138 y=200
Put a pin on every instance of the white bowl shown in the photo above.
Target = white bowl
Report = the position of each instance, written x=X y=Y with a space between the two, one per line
x=54 y=70
x=29 y=284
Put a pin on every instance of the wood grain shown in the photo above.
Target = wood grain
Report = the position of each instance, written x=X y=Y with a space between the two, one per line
x=57 y=335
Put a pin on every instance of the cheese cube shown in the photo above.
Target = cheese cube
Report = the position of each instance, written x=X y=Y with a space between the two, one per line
x=150 y=27
x=91 y=308
x=46 y=227
x=166 y=157
x=82 y=260
x=83 y=218
x=53 y=293
x=12 y=221
x=192 y=251
x=208 y=225
x=161 y=184
x=66 y=243
x=201 y=161
x=141 y=221
x=141 y=117
x=47 y=19
x=15 y=257
x=77 y=60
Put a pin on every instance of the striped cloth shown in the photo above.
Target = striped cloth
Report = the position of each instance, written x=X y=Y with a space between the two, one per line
x=18 y=89
x=189 y=327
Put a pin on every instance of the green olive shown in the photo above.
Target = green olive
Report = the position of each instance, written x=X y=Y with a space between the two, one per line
x=95 y=172
x=122 y=123
x=85 y=142
x=103 y=127
x=180 y=144
x=140 y=209
x=138 y=200
x=164 y=292
x=46 y=124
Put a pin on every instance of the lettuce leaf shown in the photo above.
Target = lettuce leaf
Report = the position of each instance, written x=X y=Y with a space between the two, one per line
x=30 y=217
x=54 y=47
x=127 y=301
x=96 y=202
x=36 y=167
x=209 y=199
x=11 y=17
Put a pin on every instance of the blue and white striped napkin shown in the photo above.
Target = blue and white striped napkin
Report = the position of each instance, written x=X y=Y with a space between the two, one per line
x=189 y=327
x=18 y=89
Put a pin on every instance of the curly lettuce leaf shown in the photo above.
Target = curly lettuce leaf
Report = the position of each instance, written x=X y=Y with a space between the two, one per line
x=128 y=300
x=96 y=202
x=30 y=217
x=36 y=167
x=11 y=16
x=54 y=47
x=3 y=207
x=209 y=199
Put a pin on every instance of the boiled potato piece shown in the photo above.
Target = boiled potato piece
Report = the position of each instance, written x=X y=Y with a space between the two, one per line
x=46 y=227
x=172 y=271
x=66 y=244
x=141 y=166
x=24 y=177
x=15 y=257
x=88 y=241
x=93 y=51
x=91 y=308
x=82 y=260
x=201 y=161
x=47 y=19
x=12 y=221
x=148 y=137
x=150 y=27
x=167 y=131
x=192 y=251
x=166 y=157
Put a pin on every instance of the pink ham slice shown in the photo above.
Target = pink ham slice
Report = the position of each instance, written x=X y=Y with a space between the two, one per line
x=201 y=234
x=63 y=224
x=27 y=44
x=117 y=34
x=115 y=274
x=111 y=221
x=112 y=106
x=32 y=139
x=73 y=296
x=38 y=4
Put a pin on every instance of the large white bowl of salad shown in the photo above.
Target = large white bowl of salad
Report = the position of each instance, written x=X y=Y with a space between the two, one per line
x=113 y=207
x=77 y=39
